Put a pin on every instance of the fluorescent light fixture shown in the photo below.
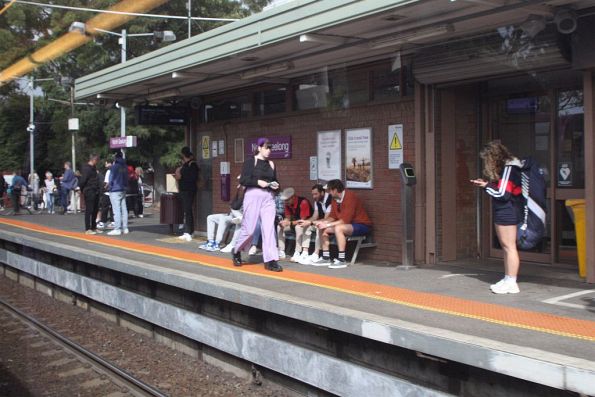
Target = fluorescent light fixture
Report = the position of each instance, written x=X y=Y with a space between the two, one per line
x=412 y=36
x=164 y=94
x=107 y=96
x=265 y=70
x=189 y=75
x=322 y=39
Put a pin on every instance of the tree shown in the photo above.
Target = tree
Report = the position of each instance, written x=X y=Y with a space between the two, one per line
x=25 y=28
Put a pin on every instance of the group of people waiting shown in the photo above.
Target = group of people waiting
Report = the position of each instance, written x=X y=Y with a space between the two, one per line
x=271 y=216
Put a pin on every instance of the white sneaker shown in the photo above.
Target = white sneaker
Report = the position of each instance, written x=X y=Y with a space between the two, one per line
x=337 y=264
x=282 y=254
x=227 y=248
x=308 y=259
x=141 y=216
x=90 y=232
x=185 y=237
x=111 y=225
x=498 y=283
x=321 y=262
x=115 y=232
x=253 y=250
x=507 y=287
x=126 y=231
x=100 y=225
x=296 y=256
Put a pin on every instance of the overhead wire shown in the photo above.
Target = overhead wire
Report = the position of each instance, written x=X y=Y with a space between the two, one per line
x=45 y=5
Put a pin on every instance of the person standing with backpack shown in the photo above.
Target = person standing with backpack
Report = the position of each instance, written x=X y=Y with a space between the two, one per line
x=503 y=171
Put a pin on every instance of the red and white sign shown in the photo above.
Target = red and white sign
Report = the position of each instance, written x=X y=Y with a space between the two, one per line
x=122 y=141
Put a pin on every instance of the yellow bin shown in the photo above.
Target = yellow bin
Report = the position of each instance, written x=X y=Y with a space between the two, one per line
x=578 y=209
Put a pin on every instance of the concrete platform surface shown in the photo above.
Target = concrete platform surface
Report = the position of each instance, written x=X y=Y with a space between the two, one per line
x=551 y=321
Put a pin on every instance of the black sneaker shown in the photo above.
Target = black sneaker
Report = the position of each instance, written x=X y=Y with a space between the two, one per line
x=273 y=266
x=237 y=258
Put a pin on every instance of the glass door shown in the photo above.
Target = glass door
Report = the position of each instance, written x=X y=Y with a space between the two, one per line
x=550 y=128
x=523 y=123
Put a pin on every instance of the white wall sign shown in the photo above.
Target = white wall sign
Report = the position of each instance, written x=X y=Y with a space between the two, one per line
x=329 y=155
x=214 y=147
x=313 y=168
x=395 y=146
x=221 y=147
x=73 y=124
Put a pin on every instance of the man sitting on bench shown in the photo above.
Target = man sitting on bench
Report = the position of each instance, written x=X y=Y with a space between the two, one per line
x=348 y=217
x=322 y=207
x=296 y=208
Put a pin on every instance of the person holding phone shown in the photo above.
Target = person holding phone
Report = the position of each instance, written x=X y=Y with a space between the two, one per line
x=503 y=171
x=260 y=180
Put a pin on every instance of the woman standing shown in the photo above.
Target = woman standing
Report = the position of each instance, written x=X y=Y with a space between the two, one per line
x=504 y=173
x=260 y=179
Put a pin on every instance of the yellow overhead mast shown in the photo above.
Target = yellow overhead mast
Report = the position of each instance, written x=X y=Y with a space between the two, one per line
x=72 y=40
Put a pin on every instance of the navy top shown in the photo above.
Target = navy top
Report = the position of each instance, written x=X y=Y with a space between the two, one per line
x=262 y=170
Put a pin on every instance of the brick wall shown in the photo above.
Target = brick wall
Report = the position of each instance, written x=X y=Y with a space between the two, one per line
x=382 y=202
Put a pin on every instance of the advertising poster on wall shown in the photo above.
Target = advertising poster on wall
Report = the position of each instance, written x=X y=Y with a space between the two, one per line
x=358 y=158
x=329 y=155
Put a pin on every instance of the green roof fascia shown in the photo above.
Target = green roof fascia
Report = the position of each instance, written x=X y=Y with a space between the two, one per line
x=265 y=28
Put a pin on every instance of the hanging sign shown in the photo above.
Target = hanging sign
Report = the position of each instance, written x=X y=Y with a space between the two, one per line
x=118 y=142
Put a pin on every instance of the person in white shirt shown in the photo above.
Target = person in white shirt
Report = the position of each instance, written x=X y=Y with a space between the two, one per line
x=322 y=207
x=48 y=192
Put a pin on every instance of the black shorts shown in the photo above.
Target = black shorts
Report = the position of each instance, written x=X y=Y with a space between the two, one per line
x=507 y=213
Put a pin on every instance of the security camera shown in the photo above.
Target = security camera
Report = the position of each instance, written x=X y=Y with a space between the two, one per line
x=31 y=128
x=565 y=21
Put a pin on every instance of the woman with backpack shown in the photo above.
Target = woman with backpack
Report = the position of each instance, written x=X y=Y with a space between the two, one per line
x=503 y=171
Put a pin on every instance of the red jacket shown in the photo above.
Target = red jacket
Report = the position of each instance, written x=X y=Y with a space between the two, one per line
x=350 y=210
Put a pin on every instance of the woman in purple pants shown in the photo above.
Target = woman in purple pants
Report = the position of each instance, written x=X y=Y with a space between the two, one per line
x=260 y=179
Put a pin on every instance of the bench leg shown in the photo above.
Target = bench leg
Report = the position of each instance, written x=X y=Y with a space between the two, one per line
x=356 y=251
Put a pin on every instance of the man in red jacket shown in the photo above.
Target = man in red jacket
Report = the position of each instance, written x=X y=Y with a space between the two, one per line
x=348 y=217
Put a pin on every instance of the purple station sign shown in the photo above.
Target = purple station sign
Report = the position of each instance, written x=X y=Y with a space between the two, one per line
x=281 y=147
x=122 y=141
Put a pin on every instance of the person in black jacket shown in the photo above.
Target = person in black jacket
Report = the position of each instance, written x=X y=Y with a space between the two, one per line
x=187 y=176
x=504 y=186
x=90 y=186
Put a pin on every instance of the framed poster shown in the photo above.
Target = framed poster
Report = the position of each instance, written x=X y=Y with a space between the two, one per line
x=238 y=150
x=358 y=158
x=329 y=155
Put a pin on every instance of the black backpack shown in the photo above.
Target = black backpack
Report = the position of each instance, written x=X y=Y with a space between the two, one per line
x=532 y=228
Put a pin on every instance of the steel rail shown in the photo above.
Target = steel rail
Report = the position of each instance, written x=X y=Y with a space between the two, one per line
x=116 y=374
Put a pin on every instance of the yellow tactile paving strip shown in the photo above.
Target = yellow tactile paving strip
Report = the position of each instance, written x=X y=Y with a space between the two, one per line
x=492 y=313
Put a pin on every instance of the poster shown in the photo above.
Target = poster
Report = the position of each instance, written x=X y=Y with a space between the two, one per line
x=329 y=155
x=358 y=158
x=395 y=146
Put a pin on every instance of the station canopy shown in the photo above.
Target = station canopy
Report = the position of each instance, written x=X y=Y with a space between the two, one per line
x=301 y=37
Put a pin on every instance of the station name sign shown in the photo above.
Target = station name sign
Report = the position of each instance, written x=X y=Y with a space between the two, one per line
x=122 y=142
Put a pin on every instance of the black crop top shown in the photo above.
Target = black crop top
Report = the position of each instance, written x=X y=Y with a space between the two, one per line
x=262 y=170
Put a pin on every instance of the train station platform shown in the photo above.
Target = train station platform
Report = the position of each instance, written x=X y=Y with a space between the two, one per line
x=543 y=336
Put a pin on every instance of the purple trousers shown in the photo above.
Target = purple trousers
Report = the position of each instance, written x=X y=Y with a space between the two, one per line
x=259 y=203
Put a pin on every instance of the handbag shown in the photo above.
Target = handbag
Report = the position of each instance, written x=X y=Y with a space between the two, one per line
x=238 y=200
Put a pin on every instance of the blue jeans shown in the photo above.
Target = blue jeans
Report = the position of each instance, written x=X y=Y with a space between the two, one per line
x=118 y=200
x=49 y=199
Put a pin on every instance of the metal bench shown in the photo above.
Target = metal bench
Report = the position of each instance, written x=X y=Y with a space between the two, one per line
x=360 y=242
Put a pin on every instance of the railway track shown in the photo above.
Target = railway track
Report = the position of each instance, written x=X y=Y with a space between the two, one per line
x=86 y=370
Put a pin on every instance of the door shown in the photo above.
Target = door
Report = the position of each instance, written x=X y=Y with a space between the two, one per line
x=549 y=127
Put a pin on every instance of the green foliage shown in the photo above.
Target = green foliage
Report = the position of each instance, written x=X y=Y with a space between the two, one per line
x=25 y=28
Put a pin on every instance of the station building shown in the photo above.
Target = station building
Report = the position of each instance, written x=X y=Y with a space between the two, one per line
x=349 y=89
